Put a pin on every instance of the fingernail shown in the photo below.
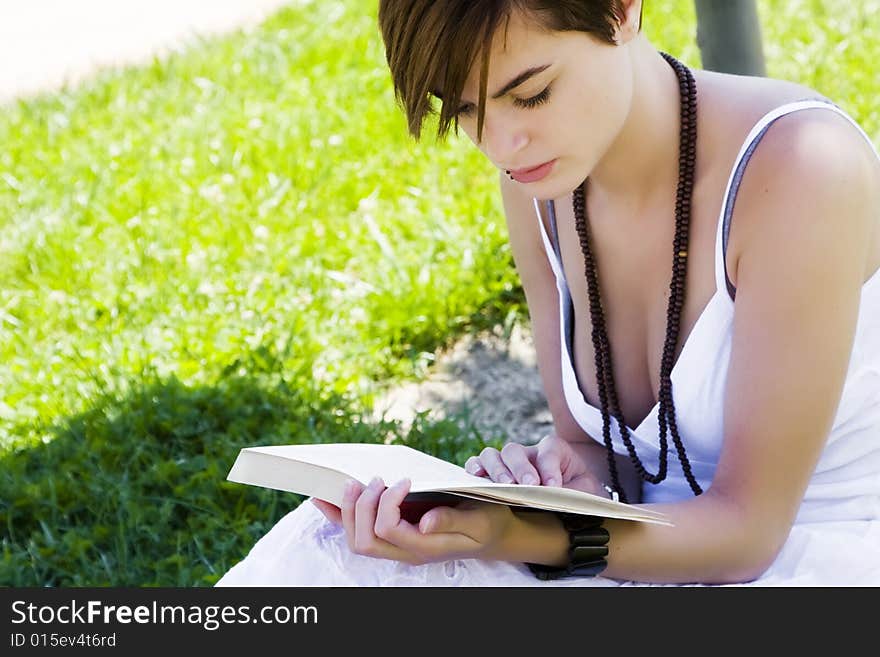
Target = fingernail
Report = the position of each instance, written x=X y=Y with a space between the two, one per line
x=552 y=481
x=530 y=479
x=504 y=479
x=427 y=524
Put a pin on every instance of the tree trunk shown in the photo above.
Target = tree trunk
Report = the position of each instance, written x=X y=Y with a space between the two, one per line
x=729 y=36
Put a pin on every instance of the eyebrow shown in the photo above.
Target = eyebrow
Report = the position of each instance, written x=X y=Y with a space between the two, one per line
x=519 y=79
x=513 y=84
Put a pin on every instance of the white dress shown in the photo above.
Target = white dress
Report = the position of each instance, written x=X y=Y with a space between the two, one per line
x=835 y=540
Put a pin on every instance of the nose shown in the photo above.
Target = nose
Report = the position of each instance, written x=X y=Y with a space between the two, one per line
x=503 y=140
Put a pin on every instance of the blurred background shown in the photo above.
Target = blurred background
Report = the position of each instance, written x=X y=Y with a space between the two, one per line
x=47 y=43
x=216 y=233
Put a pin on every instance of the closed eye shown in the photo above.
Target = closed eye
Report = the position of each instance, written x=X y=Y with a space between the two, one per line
x=465 y=110
x=534 y=101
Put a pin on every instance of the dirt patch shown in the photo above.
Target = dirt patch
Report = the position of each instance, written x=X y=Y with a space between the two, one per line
x=492 y=379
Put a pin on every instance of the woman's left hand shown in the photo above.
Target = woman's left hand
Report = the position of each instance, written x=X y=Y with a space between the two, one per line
x=374 y=527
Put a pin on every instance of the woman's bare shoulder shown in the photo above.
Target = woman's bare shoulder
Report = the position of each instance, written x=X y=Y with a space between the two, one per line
x=741 y=96
x=730 y=105
x=803 y=159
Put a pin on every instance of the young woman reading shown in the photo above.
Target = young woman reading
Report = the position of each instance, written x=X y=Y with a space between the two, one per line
x=700 y=257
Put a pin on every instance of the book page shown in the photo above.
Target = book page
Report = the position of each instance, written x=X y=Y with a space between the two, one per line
x=364 y=461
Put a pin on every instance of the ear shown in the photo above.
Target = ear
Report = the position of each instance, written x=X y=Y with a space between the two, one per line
x=631 y=21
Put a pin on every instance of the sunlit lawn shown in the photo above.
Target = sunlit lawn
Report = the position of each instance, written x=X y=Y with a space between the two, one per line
x=241 y=245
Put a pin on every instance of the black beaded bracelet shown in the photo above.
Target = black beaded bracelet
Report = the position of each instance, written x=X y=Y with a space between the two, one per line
x=588 y=547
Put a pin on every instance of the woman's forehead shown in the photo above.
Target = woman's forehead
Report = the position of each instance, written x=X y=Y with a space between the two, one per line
x=517 y=45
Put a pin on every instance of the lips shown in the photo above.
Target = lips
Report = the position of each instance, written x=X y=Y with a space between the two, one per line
x=532 y=174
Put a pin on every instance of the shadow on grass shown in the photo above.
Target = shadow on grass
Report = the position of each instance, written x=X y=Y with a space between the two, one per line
x=133 y=492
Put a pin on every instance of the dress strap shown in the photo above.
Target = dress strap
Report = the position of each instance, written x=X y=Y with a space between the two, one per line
x=748 y=148
x=551 y=241
x=554 y=230
x=554 y=255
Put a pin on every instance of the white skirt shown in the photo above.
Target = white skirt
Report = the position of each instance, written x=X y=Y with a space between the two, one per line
x=305 y=549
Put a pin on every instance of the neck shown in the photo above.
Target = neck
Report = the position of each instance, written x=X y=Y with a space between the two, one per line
x=642 y=161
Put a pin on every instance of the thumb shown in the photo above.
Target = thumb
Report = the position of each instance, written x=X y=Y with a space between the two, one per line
x=548 y=463
x=444 y=519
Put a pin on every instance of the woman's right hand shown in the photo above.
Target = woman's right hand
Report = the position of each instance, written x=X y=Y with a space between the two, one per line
x=551 y=462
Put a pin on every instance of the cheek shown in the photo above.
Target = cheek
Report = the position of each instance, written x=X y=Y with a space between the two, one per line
x=598 y=119
x=603 y=95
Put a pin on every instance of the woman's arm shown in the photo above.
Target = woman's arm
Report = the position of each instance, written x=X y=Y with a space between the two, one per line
x=805 y=215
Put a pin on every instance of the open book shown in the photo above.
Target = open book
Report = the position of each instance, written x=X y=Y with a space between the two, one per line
x=321 y=471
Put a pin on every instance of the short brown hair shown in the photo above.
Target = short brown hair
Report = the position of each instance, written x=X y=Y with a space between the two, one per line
x=431 y=45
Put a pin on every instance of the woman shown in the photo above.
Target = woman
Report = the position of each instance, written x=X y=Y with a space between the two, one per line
x=737 y=390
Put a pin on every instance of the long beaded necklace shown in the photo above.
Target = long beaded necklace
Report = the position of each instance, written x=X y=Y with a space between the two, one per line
x=602 y=350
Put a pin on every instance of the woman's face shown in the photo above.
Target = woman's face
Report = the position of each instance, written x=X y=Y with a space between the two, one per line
x=567 y=112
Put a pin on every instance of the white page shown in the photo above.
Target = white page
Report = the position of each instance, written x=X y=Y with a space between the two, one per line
x=390 y=462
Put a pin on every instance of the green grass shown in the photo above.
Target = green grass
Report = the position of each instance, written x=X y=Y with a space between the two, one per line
x=240 y=245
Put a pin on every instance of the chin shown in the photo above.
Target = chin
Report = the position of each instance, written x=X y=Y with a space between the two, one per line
x=545 y=196
x=552 y=188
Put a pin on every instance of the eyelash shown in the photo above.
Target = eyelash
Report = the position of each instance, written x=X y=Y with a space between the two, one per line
x=534 y=101
x=527 y=103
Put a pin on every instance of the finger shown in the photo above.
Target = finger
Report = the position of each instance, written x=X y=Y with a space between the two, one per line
x=350 y=496
x=447 y=528
x=494 y=466
x=447 y=533
x=440 y=546
x=474 y=467
x=395 y=538
x=365 y=514
x=548 y=460
x=332 y=512
x=390 y=526
x=516 y=458
x=366 y=541
x=445 y=519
